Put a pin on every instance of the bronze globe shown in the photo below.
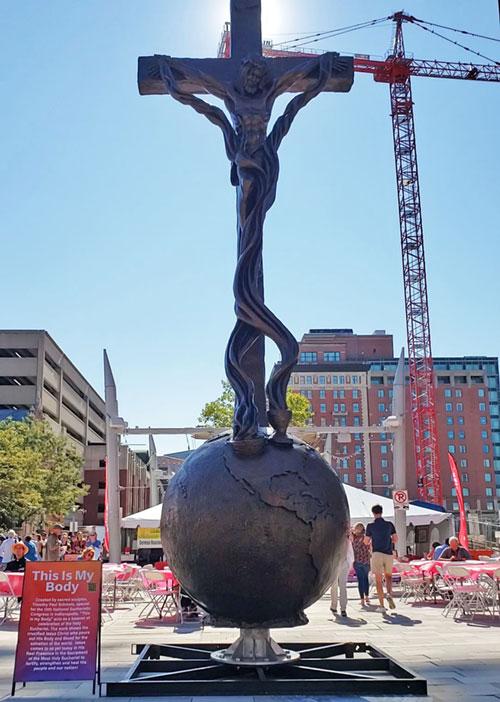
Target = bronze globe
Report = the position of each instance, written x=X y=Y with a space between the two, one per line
x=255 y=540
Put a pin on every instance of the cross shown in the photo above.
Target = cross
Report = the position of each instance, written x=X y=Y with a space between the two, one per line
x=246 y=40
x=249 y=84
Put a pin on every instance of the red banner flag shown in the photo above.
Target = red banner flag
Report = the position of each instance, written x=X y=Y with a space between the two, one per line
x=462 y=534
x=106 y=531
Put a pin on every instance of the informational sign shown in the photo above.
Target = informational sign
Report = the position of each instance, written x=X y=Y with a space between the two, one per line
x=59 y=624
x=400 y=498
x=148 y=537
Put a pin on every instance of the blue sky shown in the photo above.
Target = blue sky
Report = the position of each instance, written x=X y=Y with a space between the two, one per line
x=118 y=218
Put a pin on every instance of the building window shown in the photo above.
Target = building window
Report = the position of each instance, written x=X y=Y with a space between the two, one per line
x=342 y=394
x=449 y=407
x=449 y=421
x=302 y=380
x=451 y=448
x=356 y=421
x=458 y=393
x=465 y=492
x=358 y=448
x=331 y=356
x=483 y=420
x=342 y=422
x=460 y=420
x=461 y=435
x=345 y=463
x=480 y=392
x=323 y=421
x=455 y=505
x=463 y=448
x=380 y=393
x=321 y=379
x=357 y=436
x=322 y=407
x=487 y=477
x=383 y=448
x=486 y=448
x=322 y=394
x=355 y=394
x=102 y=463
x=100 y=508
x=486 y=463
x=385 y=477
x=465 y=477
x=383 y=436
x=335 y=380
x=342 y=407
x=308 y=357
x=309 y=379
x=357 y=463
x=463 y=463
x=454 y=492
x=467 y=505
x=447 y=393
x=386 y=492
x=460 y=407
x=354 y=379
x=346 y=477
x=489 y=492
x=344 y=449
x=355 y=407
x=341 y=379
x=489 y=505
x=335 y=394
x=451 y=435
x=381 y=407
x=484 y=434
x=359 y=477
x=336 y=407
x=309 y=394
x=391 y=394
x=482 y=406
x=385 y=463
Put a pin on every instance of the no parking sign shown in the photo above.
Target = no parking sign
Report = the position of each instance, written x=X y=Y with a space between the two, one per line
x=400 y=498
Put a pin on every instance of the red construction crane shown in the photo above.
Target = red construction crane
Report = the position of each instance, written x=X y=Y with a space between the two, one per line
x=396 y=70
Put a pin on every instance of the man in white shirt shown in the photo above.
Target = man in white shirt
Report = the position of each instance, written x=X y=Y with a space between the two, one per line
x=6 y=547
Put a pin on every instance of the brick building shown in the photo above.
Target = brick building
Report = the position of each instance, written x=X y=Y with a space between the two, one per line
x=134 y=483
x=348 y=379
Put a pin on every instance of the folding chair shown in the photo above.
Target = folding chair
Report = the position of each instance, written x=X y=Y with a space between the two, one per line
x=7 y=594
x=163 y=593
x=468 y=596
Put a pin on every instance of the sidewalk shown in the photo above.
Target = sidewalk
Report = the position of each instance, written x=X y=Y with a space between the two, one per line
x=461 y=661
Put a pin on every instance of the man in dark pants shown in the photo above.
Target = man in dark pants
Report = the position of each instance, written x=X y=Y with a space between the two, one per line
x=382 y=537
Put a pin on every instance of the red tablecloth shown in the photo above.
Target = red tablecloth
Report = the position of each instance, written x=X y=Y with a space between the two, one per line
x=474 y=567
x=16 y=583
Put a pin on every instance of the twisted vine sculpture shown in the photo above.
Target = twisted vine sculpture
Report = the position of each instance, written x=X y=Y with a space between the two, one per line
x=254 y=172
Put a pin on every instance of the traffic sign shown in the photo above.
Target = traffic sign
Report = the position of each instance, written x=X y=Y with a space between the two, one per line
x=400 y=498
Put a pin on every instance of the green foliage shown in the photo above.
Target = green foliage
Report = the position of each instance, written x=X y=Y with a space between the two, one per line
x=219 y=412
x=40 y=473
x=299 y=406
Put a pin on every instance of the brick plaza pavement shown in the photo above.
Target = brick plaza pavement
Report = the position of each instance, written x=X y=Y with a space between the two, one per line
x=460 y=660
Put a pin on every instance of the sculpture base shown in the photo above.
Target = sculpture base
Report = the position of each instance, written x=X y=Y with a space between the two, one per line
x=255 y=647
x=323 y=669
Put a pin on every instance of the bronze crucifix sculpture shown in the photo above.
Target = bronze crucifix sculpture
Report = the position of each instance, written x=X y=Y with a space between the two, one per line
x=248 y=84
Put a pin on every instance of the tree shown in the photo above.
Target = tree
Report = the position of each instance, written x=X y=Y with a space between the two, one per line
x=219 y=412
x=40 y=473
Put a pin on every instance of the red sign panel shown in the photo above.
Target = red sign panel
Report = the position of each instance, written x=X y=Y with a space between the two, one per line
x=60 y=616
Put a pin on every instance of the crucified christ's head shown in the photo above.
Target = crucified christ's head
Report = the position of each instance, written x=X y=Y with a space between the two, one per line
x=255 y=77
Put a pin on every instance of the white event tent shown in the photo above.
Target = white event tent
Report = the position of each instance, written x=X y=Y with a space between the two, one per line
x=360 y=505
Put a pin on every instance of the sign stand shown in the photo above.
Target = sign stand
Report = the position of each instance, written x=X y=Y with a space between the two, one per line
x=59 y=635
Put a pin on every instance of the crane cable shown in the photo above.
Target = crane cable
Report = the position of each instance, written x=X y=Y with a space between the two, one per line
x=329 y=33
x=442 y=36
x=460 y=31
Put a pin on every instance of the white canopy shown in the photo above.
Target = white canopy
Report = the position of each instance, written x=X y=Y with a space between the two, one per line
x=360 y=506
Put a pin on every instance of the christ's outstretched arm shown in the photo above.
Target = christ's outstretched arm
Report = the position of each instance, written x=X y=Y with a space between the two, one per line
x=327 y=64
x=212 y=113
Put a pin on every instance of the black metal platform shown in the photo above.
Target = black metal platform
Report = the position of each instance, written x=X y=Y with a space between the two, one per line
x=323 y=669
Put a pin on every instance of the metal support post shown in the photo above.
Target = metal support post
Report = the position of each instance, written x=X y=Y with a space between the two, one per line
x=399 y=450
x=154 y=493
x=112 y=450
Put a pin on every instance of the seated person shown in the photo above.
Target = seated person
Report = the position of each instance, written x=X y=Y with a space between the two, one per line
x=18 y=562
x=430 y=555
x=87 y=555
x=439 y=550
x=455 y=552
